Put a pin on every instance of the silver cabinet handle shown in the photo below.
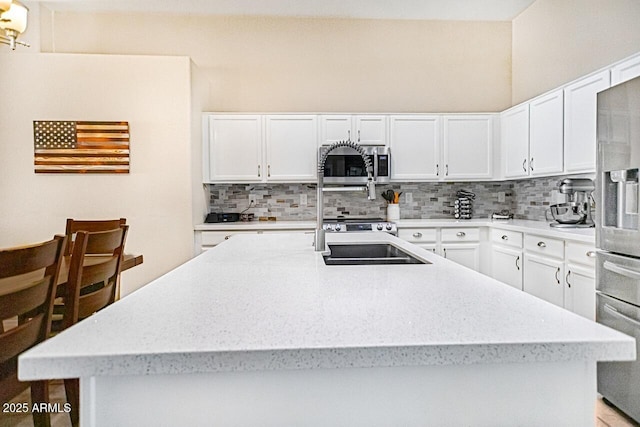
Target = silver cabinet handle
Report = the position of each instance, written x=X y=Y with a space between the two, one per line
x=557 y=279
x=531 y=164
x=566 y=279
x=524 y=165
x=615 y=312
x=358 y=135
x=268 y=170
x=518 y=265
x=227 y=237
x=446 y=170
x=349 y=135
x=505 y=237
x=461 y=234
x=258 y=171
x=444 y=251
x=591 y=254
x=437 y=169
x=542 y=245
x=418 y=234
x=632 y=274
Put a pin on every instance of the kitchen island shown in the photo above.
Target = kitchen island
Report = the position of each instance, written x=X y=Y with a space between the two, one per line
x=259 y=331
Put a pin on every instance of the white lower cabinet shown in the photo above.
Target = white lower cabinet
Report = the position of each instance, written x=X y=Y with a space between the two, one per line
x=580 y=291
x=543 y=277
x=467 y=254
x=506 y=265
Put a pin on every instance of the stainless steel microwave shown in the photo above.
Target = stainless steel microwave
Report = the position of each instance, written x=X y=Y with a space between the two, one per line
x=344 y=165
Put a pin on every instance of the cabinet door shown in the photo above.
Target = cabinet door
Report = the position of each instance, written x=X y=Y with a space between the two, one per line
x=625 y=71
x=334 y=128
x=415 y=147
x=543 y=278
x=546 y=134
x=514 y=140
x=467 y=146
x=506 y=266
x=370 y=130
x=291 y=146
x=464 y=254
x=234 y=148
x=580 y=107
x=580 y=291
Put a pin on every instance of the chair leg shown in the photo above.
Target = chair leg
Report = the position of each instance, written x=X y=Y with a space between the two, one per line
x=72 y=389
x=40 y=393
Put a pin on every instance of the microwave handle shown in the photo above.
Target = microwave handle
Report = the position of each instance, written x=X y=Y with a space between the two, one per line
x=375 y=164
x=632 y=274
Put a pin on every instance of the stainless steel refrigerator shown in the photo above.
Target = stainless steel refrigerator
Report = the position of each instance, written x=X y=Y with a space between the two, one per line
x=618 y=236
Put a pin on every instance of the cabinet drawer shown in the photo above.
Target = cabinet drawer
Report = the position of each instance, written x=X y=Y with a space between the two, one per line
x=507 y=237
x=212 y=238
x=580 y=253
x=544 y=246
x=460 y=234
x=418 y=235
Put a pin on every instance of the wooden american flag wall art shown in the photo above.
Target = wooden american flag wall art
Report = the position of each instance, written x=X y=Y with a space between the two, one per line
x=81 y=147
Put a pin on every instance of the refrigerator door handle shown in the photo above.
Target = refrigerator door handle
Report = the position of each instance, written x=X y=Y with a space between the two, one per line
x=615 y=312
x=632 y=274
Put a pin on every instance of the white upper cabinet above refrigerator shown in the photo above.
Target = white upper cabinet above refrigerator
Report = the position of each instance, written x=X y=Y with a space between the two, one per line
x=365 y=129
x=580 y=106
x=626 y=70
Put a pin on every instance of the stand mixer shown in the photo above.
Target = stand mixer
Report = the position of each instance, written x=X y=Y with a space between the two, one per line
x=576 y=213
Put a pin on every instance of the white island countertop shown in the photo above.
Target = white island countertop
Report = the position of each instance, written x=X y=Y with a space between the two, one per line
x=268 y=302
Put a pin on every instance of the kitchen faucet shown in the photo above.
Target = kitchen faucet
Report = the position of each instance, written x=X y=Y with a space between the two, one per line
x=319 y=241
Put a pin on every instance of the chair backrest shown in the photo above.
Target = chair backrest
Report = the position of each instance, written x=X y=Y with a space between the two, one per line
x=95 y=265
x=29 y=275
x=75 y=225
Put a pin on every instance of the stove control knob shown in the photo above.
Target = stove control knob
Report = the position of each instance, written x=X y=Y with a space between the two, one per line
x=338 y=227
x=388 y=226
x=379 y=227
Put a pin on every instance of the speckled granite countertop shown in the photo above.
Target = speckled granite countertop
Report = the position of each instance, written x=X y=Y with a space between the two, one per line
x=268 y=302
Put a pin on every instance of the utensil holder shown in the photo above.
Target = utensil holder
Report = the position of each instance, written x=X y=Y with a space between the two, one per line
x=393 y=212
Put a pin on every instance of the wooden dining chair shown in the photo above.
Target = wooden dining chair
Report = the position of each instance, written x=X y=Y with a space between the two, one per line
x=95 y=265
x=28 y=277
x=75 y=225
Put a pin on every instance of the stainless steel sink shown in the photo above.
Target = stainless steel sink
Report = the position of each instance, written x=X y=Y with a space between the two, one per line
x=369 y=254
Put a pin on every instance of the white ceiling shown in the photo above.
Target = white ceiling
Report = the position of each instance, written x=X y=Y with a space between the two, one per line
x=468 y=10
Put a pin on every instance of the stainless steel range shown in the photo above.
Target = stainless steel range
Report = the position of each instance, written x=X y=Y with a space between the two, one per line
x=348 y=225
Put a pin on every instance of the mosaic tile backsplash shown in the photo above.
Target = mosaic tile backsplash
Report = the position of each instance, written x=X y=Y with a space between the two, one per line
x=526 y=199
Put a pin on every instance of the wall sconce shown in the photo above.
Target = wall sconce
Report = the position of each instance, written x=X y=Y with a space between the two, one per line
x=13 y=20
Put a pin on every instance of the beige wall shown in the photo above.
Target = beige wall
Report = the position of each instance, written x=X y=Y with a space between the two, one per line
x=288 y=64
x=556 y=41
x=153 y=95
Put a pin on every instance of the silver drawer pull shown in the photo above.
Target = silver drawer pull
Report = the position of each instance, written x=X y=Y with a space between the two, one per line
x=615 y=312
x=461 y=234
x=542 y=245
x=518 y=265
x=227 y=237
x=417 y=235
x=566 y=279
x=591 y=254
x=505 y=237
x=557 y=279
x=632 y=274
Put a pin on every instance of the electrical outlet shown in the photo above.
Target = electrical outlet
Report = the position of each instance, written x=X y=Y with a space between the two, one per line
x=303 y=200
x=501 y=196
x=222 y=194
x=408 y=197
x=253 y=199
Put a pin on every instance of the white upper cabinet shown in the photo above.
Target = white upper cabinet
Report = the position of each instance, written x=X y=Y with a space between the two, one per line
x=233 y=148
x=580 y=106
x=514 y=129
x=291 y=148
x=415 y=147
x=366 y=129
x=260 y=148
x=467 y=143
x=546 y=134
x=627 y=70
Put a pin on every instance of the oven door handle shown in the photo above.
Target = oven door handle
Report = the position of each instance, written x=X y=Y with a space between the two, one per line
x=615 y=312
x=632 y=274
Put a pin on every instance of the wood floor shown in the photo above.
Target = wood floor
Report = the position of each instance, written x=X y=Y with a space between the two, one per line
x=606 y=416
